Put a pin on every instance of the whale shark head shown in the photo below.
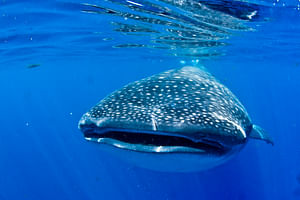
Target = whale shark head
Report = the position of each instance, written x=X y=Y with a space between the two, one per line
x=182 y=113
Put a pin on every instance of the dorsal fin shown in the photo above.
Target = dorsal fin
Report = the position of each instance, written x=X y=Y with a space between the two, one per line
x=260 y=134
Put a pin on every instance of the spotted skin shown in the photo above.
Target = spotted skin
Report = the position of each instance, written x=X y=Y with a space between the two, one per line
x=187 y=102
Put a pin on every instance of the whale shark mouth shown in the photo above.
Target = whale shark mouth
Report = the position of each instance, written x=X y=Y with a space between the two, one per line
x=152 y=141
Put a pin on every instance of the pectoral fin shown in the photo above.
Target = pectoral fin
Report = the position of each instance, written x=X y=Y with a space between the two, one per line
x=260 y=134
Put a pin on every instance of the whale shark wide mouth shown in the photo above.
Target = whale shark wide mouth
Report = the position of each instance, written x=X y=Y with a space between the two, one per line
x=152 y=141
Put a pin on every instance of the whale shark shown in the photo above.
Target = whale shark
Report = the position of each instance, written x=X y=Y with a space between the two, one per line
x=180 y=120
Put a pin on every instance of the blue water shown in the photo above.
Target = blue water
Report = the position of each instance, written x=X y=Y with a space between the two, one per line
x=57 y=60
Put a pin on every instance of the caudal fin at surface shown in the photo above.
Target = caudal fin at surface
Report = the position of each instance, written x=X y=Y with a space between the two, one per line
x=260 y=134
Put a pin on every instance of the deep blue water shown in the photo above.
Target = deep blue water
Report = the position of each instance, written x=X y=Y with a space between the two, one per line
x=78 y=60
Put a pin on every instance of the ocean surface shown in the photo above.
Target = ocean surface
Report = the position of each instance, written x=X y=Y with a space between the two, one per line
x=59 y=58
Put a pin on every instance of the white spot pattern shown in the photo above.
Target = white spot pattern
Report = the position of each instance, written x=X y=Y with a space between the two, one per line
x=188 y=101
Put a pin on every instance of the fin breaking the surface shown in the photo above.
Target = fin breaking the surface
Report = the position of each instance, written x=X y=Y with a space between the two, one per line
x=260 y=134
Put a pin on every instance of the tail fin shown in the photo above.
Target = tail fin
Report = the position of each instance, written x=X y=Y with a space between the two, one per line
x=260 y=134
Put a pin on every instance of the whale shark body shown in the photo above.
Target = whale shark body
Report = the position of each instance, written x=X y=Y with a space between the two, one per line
x=179 y=120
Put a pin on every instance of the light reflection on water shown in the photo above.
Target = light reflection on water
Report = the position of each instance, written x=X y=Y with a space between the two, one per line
x=187 y=28
x=177 y=28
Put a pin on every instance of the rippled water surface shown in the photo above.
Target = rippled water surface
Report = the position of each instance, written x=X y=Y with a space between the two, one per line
x=59 y=58
x=188 y=29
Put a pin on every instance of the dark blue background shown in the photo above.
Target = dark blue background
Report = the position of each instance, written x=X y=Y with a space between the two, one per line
x=44 y=156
